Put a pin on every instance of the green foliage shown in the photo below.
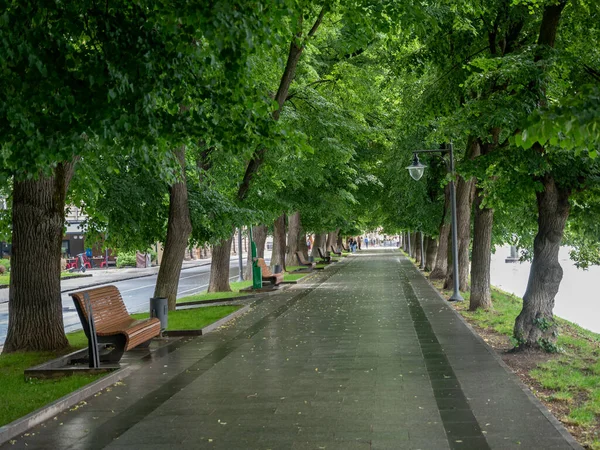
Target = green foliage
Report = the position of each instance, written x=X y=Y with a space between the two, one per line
x=126 y=259
x=5 y=263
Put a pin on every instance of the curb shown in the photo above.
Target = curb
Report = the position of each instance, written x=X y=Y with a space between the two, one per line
x=19 y=426
x=546 y=413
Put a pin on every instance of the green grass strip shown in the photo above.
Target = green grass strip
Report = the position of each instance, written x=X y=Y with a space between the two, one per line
x=571 y=378
x=293 y=276
x=19 y=397
x=194 y=319
x=204 y=296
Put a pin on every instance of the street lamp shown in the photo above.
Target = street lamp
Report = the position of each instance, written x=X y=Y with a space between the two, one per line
x=416 y=172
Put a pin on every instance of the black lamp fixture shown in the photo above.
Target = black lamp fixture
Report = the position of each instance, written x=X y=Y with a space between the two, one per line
x=416 y=169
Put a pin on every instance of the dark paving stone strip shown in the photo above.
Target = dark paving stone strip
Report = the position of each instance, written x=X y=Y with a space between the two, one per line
x=115 y=427
x=462 y=428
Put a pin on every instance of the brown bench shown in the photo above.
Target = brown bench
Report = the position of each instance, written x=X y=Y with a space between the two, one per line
x=334 y=252
x=267 y=275
x=326 y=258
x=344 y=248
x=303 y=262
x=114 y=325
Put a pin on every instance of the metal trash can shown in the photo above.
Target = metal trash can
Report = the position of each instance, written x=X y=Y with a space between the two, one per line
x=277 y=268
x=159 y=308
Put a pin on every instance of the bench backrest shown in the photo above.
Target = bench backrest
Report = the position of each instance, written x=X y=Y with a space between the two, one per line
x=266 y=272
x=107 y=306
x=301 y=258
x=333 y=249
x=321 y=253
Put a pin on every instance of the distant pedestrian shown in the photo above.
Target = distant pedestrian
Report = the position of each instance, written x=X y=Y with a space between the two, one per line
x=367 y=242
x=359 y=240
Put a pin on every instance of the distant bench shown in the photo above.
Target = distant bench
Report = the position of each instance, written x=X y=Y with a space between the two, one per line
x=303 y=262
x=113 y=323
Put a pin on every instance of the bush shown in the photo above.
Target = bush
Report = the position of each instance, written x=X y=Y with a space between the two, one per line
x=6 y=264
x=126 y=259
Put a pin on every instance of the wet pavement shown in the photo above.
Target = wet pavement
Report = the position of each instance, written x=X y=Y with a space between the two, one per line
x=364 y=356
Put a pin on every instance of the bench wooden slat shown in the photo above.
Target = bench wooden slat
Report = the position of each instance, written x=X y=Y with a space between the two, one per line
x=267 y=275
x=113 y=323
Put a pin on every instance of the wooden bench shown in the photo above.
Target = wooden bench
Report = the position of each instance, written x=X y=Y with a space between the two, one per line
x=114 y=325
x=326 y=258
x=303 y=262
x=267 y=275
x=334 y=252
x=344 y=248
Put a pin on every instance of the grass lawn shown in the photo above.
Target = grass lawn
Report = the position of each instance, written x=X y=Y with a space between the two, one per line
x=568 y=382
x=293 y=276
x=5 y=279
x=194 y=319
x=19 y=397
x=292 y=268
x=235 y=292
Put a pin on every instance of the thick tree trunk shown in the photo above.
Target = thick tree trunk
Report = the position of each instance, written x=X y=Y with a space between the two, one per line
x=320 y=242
x=259 y=236
x=331 y=240
x=418 y=248
x=294 y=227
x=279 y=246
x=219 y=266
x=481 y=296
x=405 y=242
x=413 y=245
x=440 y=268
x=535 y=326
x=35 y=320
x=179 y=228
x=465 y=193
x=302 y=238
x=431 y=253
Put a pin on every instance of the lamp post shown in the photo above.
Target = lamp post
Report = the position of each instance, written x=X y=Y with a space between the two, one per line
x=416 y=170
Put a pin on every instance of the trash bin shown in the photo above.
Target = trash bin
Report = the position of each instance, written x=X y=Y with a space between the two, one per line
x=277 y=268
x=159 y=308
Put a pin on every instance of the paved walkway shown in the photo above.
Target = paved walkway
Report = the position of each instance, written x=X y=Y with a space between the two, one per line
x=367 y=356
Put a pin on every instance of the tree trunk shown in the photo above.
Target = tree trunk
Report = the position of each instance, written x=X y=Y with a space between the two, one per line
x=320 y=242
x=302 y=238
x=535 y=326
x=331 y=240
x=179 y=228
x=219 y=266
x=259 y=236
x=418 y=248
x=292 y=240
x=430 y=255
x=278 y=255
x=465 y=192
x=296 y=48
x=481 y=296
x=440 y=268
x=413 y=245
x=339 y=242
x=35 y=320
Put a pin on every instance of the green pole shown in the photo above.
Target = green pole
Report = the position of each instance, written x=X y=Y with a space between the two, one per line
x=256 y=271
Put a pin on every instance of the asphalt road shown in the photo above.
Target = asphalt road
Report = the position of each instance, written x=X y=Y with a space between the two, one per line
x=135 y=292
